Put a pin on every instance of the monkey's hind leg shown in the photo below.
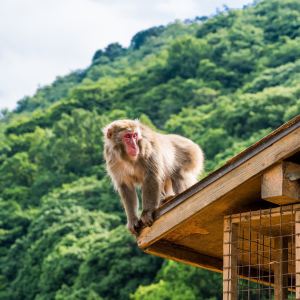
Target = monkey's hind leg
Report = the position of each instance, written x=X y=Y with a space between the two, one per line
x=168 y=191
x=168 y=188
x=182 y=181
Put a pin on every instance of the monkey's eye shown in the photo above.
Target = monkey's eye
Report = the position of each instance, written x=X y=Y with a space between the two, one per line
x=135 y=135
x=127 y=136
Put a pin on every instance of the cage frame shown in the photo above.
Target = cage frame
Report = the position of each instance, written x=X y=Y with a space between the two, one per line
x=230 y=247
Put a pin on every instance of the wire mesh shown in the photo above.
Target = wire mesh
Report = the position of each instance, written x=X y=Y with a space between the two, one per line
x=260 y=254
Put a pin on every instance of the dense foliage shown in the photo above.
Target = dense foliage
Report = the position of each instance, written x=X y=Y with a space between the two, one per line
x=224 y=82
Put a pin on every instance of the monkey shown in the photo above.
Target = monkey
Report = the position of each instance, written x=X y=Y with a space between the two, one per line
x=163 y=165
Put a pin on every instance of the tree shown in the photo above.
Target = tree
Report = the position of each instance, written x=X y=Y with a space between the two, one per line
x=140 y=38
x=184 y=56
x=178 y=281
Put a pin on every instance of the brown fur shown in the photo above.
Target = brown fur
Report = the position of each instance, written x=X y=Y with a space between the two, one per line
x=166 y=164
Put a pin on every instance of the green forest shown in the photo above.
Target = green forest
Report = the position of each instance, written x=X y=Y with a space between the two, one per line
x=223 y=81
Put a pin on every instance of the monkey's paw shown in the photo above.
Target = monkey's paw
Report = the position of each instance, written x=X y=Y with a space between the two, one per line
x=146 y=218
x=131 y=227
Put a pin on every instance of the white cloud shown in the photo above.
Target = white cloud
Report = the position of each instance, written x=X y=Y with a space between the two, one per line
x=40 y=40
x=178 y=8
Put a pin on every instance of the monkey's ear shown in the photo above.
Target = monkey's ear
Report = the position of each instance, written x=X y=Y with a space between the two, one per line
x=109 y=133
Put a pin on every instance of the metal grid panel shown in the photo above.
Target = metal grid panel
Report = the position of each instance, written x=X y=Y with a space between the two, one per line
x=260 y=254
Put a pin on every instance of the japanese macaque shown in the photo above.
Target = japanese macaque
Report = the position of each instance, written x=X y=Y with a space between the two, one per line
x=163 y=165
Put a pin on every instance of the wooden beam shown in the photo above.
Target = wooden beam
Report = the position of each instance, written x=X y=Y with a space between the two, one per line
x=230 y=290
x=265 y=214
x=277 y=188
x=297 y=240
x=281 y=283
x=192 y=206
x=186 y=256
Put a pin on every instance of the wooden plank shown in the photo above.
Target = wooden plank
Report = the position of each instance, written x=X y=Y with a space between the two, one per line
x=277 y=188
x=230 y=291
x=281 y=269
x=255 y=166
x=297 y=241
x=265 y=214
x=174 y=252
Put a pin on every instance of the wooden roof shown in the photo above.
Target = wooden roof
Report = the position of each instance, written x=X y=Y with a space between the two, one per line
x=189 y=228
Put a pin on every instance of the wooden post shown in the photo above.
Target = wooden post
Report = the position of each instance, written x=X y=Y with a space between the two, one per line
x=297 y=240
x=230 y=259
x=277 y=188
x=281 y=268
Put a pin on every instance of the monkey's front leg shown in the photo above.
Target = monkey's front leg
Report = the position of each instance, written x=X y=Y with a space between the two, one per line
x=150 y=199
x=131 y=205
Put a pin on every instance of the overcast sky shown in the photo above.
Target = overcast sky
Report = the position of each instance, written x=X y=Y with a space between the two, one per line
x=42 y=39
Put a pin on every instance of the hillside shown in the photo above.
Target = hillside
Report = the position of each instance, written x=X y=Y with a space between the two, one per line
x=224 y=82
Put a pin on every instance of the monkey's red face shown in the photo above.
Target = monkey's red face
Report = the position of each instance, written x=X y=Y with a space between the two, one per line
x=131 y=141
